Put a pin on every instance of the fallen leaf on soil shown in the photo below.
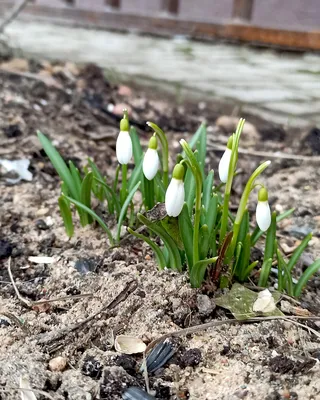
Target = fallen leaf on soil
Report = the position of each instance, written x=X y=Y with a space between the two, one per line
x=41 y=259
x=129 y=344
x=240 y=301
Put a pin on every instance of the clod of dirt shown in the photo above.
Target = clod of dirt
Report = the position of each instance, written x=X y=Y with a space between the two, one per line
x=313 y=140
x=205 y=305
x=58 y=364
x=127 y=362
x=191 y=358
x=12 y=131
x=92 y=367
x=5 y=249
x=76 y=386
x=282 y=364
x=4 y=323
x=115 y=381
x=41 y=225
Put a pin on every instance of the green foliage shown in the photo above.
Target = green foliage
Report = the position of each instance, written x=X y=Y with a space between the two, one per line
x=207 y=239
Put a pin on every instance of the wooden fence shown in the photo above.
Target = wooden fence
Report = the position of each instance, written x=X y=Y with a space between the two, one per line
x=292 y=24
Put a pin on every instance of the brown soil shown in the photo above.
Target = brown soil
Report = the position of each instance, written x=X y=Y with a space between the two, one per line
x=269 y=360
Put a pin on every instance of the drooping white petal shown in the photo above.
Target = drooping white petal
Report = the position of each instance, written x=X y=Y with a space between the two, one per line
x=263 y=215
x=174 y=197
x=224 y=165
x=151 y=164
x=124 y=147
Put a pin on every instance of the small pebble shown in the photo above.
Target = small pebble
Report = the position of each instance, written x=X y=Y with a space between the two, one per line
x=41 y=225
x=58 y=364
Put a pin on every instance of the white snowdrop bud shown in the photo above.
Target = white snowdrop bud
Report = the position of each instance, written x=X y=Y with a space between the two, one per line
x=225 y=162
x=263 y=213
x=151 y=160
x=124 y=143
x=175 y=193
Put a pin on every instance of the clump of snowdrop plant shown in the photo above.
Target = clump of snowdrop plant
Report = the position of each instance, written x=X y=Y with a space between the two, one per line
x=197 y=230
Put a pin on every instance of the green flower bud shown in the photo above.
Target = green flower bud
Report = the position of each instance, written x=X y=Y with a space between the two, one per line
x=263 y=194
x=153 y=143
x=178 y=172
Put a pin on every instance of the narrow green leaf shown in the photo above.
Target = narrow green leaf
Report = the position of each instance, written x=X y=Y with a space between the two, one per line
x=116 y=179
x=190 y=190
x=282 y=266
x=157 y=251
x=269 y=250
x=298 y=251
x=171 y=225
x=207 y=190
x=148 y=193
x=85 y=192
x=186 y=233
x=198 y=271
x=112 y=194
x=161 y=191
x=204 y=237
x=244 y=227
x=136 y=176
x=136 y=146
x=76 y=178
x=66 y=214
x=250 y=268
x=58 y=163
x=236 y=269
x=196 y=137
x=174 y=255
x=124 y=208
x=244 y=258
x=311 y=270
x=93 y=215
x=212 y=213
x=265 y=272
x=201 y=146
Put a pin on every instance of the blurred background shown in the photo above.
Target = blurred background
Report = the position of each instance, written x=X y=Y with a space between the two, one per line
x=258 y=55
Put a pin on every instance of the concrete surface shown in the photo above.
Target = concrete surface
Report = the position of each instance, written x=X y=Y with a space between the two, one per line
x=281 y=86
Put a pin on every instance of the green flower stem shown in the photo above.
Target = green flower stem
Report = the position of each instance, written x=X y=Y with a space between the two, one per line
x=243 y=206
x=231 y=174
x=123 y=192
x=165 y=152
x=196 y=170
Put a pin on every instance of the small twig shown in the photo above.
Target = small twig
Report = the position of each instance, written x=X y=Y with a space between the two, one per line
x=22 y=299
x=30 y=303
x=122 y=296
x=14 y=12
x=73 y=297
x=15 y=319
x=11 y=389
x=267 y=155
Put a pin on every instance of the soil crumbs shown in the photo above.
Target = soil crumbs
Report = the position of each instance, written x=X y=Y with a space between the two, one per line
x=80 y=111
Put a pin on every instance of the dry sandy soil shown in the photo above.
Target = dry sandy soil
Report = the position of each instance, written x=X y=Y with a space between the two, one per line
x=269 y=360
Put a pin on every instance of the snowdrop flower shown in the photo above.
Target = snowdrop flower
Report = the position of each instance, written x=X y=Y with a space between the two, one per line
x=225 y=162
x=263 y=213
x=175 y=193
x=151 y=160
x=124 y=143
